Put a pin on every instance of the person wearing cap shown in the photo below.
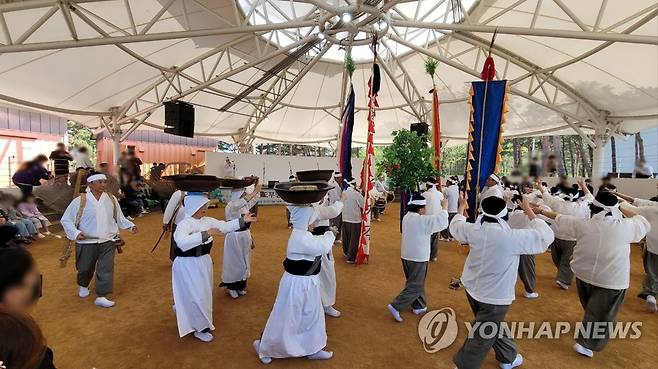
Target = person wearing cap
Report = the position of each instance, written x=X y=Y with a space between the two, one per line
x=324 y=212
x=492 y=188
x=351 y=232
x=296 y=325
x=489 y=275
x=173 y=214
x=192 y=271
x=417 y=228
x=433 y=198
x=237 y=245
x=601 y=263
x=566 y=202
x=334 y=195
x=649 y=210
x=451 y=193
x=94 y=229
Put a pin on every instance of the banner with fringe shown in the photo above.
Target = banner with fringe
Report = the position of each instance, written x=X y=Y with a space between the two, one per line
x=345 y=144
x=488 y=106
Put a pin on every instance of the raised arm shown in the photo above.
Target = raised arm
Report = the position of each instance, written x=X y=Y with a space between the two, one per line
x=186 y=238
x=329 y=212
x=171 y=207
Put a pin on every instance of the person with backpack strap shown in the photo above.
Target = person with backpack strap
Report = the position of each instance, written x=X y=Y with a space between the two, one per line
x=92 y=221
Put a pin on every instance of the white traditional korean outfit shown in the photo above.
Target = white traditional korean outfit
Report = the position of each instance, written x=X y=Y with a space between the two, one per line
x=324 y=213
x=296 y=325
x=192 y=277
x=236 y=264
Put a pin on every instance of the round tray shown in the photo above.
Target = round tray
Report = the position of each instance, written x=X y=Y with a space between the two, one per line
x=315 y=175
x=238 y=182
x=306 y=196
x=194 y=182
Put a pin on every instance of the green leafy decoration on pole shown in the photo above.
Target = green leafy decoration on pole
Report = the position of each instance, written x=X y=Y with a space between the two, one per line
x=430 y=67
x=408 y=161
x=350 y=65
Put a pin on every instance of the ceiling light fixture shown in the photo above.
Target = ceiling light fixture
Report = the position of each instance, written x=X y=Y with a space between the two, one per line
x=346 y=17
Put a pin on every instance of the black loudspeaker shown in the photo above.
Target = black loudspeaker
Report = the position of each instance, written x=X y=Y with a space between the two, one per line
x=179 y=118
x=420 y=128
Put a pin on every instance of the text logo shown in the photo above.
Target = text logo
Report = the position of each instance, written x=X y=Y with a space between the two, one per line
x=438 y=329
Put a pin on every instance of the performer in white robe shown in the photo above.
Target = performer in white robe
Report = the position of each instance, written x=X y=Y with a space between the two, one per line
x=296 y=326
x=433 y=197
x=493 y=188
x=192 y=271
x=601 y=263
x=236 y=265
x=324 y=213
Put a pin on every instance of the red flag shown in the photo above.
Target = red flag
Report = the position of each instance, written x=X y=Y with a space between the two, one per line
x=436 y=130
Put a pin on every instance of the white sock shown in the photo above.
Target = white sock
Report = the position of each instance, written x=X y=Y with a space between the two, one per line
x=651 y=304
x=583 y=350
x=517 y=362
x=103 y=302
x=265 y=359
x=321 y=355
x=204 y=336
x=420 y=311
x=395 y=313
x=233 y=294
x=331 y=311
x=83 y=291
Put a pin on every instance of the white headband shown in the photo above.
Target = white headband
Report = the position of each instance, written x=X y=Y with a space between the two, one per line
x=498 y=217
x=418 y=202
x=495 y=178
x=570 y=196
x=614 y=210
x=96 y=177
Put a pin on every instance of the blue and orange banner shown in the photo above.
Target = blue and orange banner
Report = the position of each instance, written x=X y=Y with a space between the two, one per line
x=488 y=102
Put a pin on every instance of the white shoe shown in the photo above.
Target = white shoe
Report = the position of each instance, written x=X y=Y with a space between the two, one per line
x=517 y=362
x=130 y=218
x=420 y=311
x=204 y=336
x=40 y=235
x=233 y=294
x=530 y=296
x=562 y=285
x=103 y=302
x=321 y=355
x=651 y=304
x=331 y=311
x=395 y=313
x=583 y=350
x=83 y=292
x=242 y=293
x=264 y=360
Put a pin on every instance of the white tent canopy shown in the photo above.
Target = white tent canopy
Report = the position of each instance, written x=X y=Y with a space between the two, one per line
x=574 y=66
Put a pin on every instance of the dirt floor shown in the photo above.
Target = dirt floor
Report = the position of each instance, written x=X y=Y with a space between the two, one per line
x=140 y=331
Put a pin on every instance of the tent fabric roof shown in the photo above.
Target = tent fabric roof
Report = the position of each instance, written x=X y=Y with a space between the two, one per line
x=82 y=60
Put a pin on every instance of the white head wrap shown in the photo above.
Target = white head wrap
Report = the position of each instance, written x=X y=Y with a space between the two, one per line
x=301 y=216
x=569 y=196
x=236 y=194
x=96 y=177
x=495 y=178
x=193 y=203
x=614 y=210
x=499 y=217
x=419 y=202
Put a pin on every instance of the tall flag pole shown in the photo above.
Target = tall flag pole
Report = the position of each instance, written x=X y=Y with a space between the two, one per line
x=363 y=252
x=345 y=146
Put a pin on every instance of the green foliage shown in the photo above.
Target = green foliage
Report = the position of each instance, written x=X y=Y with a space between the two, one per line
x=430 y=66
x=453 y=160
x=81 y=136
x=350 y=65
x=407 y=161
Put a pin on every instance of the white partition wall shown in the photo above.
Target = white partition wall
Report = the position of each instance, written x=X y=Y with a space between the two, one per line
x=276 y=167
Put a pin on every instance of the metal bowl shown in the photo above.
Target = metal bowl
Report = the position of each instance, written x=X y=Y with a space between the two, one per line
x=302 y=192
x=195 y=182
x=315 y=175
x=238 y=182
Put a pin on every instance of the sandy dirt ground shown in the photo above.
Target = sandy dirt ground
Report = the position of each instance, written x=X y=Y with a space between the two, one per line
x=140 y=331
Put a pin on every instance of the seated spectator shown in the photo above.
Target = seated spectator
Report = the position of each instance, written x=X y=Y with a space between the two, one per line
x=30 y=174
x=28 y=210
x=8 y=233
x=21 y=342
x=133 y=201
x=26 y=230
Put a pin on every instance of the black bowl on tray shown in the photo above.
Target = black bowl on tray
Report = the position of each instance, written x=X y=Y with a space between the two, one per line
x=302 y=192
x=315 y=175
x=194 y=182
x=238 y=182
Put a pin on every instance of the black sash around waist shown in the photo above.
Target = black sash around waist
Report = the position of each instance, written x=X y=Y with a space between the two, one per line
x=195 y=251
x=303 y=267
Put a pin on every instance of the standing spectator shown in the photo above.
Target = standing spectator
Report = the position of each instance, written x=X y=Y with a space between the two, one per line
x=61 y=159
x=28 y=209
x=135 y=165
x=30 y=174
x=82 y=159
x=642 y=169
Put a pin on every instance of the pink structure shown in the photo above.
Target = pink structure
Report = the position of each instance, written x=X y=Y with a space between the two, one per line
x=157 y=147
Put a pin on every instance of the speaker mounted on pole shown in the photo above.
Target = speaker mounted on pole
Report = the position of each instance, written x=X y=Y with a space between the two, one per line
x=179 y=118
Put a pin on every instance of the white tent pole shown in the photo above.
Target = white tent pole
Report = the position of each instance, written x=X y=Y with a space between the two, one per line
x=115 y=134
x=600 y=139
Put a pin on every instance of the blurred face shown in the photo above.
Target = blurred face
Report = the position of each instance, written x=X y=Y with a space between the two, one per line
x=24 y=295
x=98 y=186
x=422 y=211
x=491 y=182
